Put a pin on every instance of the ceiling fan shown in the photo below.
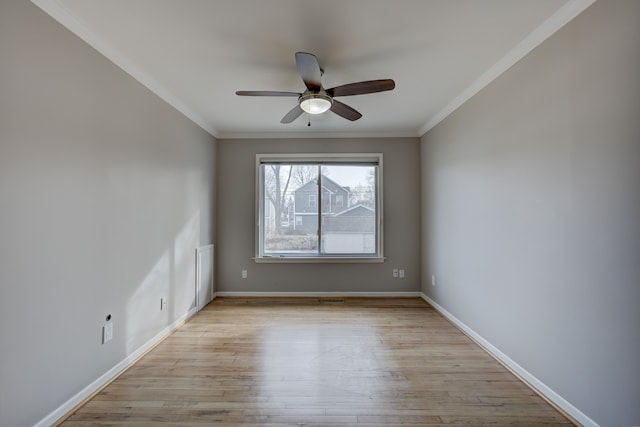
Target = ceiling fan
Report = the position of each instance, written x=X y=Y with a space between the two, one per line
x=316 y=99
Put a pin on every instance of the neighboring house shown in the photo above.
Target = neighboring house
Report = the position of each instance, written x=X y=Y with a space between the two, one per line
x=345 y=228
x=350 y=231
x=335 y=199
x=356 y=219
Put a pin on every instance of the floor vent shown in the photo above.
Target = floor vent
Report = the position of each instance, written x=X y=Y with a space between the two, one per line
x=332 y=301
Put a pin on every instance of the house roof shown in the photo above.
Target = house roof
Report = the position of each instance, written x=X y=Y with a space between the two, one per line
x=357 y=210
x=327 y=183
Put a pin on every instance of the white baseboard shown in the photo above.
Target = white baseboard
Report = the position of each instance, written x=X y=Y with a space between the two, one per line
x=530 y=379
x=545 y=391
x=112 y=373
x=318 y=294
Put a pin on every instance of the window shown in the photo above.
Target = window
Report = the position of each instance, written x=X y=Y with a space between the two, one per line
x=336 y=200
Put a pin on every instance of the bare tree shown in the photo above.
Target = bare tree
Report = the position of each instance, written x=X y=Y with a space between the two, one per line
x=365 y=194
x=277 y=180
x=276 y=184
x=302 y=174
x=371 y=178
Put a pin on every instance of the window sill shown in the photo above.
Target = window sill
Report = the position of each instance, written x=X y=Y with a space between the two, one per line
x=317 y=260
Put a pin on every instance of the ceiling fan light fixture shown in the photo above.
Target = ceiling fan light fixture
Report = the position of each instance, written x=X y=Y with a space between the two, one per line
x=315 y=103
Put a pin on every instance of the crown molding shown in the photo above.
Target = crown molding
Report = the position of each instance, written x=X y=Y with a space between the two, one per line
x=58 y=12
x=556 y=21
x=559 y=19
x=315 y=135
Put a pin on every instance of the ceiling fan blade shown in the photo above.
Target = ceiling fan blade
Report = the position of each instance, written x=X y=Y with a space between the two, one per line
x=309 y=70
x=360 y=88
x=292 y=115
x=343 y=110
x=265 y=93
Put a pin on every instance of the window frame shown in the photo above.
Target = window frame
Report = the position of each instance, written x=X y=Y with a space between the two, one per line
x=346 y=159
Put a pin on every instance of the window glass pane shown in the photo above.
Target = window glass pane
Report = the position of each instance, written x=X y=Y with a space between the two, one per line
x=321 y=208
x=291 y=196
x=348 y=228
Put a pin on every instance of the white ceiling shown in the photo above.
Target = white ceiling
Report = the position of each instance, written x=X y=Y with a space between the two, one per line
x=196 y=53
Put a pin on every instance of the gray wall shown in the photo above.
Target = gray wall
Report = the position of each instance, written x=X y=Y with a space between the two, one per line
x=532 y=202
x=236 y=219
x=105 y=191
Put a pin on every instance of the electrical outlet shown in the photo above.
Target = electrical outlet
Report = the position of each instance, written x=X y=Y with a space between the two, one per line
x=433 y=280
x=244 y=274
x=107 y=333
x=402 y=273
x=163 y=303
x=395 y=272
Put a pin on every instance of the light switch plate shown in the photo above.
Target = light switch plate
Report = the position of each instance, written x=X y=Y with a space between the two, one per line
x=107 y=333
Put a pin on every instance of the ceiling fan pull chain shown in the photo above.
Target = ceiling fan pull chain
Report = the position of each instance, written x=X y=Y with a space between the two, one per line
x=309 y=119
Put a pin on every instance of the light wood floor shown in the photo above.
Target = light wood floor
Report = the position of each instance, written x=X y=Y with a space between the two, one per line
x=297 y=362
